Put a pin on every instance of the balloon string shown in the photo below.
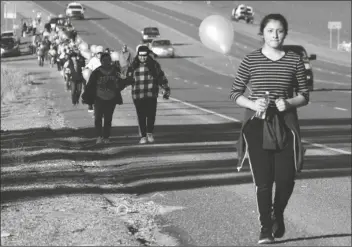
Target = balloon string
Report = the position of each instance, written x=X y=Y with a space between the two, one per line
x=233 y=66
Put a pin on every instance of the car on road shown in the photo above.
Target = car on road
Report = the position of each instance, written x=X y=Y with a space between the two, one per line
x=150 y=33
x=162 y=48
x=9 y=47
x=300 y=50
x=58 y=22
x=11 y=33
x=243 y=12
x=75 y=10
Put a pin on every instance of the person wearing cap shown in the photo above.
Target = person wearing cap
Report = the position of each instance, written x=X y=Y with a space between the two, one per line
x=104 y=91
x=125 y=59
x=145 y=75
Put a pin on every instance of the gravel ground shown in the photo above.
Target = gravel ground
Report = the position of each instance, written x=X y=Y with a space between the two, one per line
x=52 y=200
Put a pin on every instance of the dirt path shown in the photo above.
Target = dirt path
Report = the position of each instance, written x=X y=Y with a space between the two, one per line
x=47 y=197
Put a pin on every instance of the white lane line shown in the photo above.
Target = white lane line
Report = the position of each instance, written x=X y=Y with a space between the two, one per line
x=341 y=109
x=331 y=72
x=338 y=150
x=176 y=78
x=206 y=86
x=341 y=151
x=220 y=88
x=224 y=116
x=195 y=83
x=206 y=110
x=333 y=82
x=160 y=13
x=186 y=81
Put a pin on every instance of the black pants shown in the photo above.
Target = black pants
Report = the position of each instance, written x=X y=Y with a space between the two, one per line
x=76 y=89
x=41 y=60
x=269 y=166
x=103 y=109
x=146 y=112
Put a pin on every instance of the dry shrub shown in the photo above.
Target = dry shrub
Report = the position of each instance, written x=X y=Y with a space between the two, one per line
x=14 y=83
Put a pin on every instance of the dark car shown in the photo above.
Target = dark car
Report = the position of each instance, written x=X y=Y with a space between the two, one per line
x=306 y=59
x=9 y=47
x=57 y=21
x=150 y=33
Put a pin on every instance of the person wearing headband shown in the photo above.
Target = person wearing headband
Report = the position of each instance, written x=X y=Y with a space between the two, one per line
x=146 y=76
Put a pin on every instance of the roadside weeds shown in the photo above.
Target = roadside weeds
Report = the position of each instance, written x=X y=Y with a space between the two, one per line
x=14 y=83
x=42 y=204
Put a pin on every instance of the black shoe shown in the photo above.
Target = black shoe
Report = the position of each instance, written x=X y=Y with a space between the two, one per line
x=266 y=236
x=278 y=228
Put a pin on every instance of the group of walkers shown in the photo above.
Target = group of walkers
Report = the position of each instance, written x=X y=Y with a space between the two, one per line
x=102 y=78
x=272 y=143
x=106 y=82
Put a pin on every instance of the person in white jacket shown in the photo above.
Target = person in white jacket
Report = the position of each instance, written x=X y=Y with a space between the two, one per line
x=93 y=63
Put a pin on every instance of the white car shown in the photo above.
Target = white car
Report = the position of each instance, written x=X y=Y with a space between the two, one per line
x=162 y=48
x=75 y=10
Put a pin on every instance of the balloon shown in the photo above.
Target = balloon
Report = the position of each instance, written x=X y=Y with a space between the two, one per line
x=99 y=48
x=216 y=33
x=83 y=46
x=115 y=56
x=78 y=40
x=64 y=36
x=86 y=54
x=86 y=74
x=93 y=48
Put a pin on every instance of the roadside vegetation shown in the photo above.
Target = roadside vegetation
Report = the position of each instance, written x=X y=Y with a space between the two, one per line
x=14 y=83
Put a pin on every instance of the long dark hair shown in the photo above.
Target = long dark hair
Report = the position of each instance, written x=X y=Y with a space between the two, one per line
x=276 y=17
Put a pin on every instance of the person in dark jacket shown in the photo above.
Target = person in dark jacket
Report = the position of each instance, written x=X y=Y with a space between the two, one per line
x=146 y=76
x=104 y=91
x=272 y=140
x=76 y=77
x=24 y=29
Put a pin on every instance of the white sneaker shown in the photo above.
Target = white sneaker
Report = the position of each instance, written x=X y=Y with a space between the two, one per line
x=143 y=140
x=150 y=137
x=106 y=140
x=99 y=140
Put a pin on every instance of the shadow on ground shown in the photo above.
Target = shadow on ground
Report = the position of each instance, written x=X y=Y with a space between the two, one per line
x=181 y=44
x=314 y=237
x=97 y=18
x=142 y=169
x=178 y=56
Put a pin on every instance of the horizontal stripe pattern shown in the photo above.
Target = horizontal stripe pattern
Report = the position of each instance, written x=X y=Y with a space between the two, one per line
x=282 y=78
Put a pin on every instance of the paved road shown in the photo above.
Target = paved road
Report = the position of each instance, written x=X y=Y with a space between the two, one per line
x=200 y=176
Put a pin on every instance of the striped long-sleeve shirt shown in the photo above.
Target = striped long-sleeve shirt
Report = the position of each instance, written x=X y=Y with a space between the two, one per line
x=280 y=78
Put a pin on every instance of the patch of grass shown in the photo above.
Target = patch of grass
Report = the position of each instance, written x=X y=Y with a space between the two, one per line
x=14 y=83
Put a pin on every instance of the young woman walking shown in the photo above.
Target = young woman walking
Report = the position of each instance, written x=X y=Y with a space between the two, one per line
x=272 y=142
